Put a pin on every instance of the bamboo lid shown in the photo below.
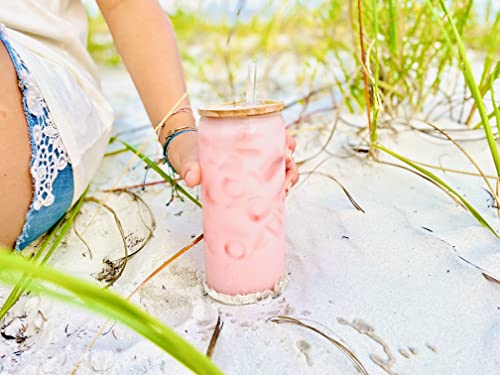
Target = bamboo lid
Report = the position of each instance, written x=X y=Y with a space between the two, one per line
x=241 y=109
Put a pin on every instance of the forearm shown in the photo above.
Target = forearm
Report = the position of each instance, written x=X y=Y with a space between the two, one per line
x=146 y=42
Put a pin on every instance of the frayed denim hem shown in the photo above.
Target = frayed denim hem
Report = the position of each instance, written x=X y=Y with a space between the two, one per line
x=51 y=171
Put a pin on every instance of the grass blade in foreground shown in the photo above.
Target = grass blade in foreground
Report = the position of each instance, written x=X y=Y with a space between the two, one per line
x=105 y=302
x=436 y=179
x=24 y=281
x=154 y=166
x=496 y=111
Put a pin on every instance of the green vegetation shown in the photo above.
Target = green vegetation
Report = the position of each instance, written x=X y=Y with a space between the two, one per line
x=103 y=301
x=411 y=44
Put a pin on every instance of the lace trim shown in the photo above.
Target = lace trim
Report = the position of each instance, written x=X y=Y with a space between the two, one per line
x=48 y=153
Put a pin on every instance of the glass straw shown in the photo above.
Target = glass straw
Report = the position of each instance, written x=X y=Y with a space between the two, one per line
x=252 y=76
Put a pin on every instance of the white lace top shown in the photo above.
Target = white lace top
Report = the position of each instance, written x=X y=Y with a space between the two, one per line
x=50 y=37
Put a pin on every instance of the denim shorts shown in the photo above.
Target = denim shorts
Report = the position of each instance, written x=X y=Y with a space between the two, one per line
x=50 y=167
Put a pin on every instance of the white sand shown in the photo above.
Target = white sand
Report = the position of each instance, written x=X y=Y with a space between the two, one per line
x=246 y=299
x=394 y=284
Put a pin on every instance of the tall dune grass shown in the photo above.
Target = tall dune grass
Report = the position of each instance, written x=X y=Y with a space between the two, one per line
x=399 y=70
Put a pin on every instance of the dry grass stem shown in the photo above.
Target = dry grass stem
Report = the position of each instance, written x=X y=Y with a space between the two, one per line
x=136 y=186
x=344 y=189
x=80 y=237
x=455 y=199
x=113 y=269
x=215 y=337
x=491 y=278
x=473 y=162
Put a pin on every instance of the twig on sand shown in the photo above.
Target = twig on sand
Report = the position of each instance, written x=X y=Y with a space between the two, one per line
x=139 y=287
x=125 y=188
x=491 y=278
x=215 y=337
x=348 y=352
x=80 y=237
x=114 y=270
x=344 y=189
x=166 y=263
x=151 y=228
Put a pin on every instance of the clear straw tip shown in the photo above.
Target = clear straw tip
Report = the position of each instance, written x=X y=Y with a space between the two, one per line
x=251 y=83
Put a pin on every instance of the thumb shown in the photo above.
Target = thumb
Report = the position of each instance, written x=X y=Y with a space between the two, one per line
x=191 y=173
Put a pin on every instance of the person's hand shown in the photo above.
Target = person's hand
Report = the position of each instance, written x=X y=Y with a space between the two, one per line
x=183 y=155
x=292 y=172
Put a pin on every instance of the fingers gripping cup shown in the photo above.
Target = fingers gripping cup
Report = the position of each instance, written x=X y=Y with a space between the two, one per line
x=242 y=159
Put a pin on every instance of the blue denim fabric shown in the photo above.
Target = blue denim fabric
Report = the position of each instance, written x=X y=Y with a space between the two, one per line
x=40 y=221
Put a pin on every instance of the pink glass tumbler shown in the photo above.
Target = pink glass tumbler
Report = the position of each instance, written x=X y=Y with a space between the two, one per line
x=242 y=159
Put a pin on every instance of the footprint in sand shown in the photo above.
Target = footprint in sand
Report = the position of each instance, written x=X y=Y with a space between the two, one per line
x=404 y=353
x=367 y=330
x=172 y=308
x=100 y=362
x=185 y=277
x=304 y=347
x=54 y=361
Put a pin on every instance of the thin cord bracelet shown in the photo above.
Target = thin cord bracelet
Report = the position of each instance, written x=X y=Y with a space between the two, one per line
x=162 y=123
x=172 y=134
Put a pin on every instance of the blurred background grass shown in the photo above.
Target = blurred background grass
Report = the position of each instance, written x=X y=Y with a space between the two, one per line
x=316 y=36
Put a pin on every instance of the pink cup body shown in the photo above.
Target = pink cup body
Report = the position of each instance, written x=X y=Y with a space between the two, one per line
x=243 y=173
